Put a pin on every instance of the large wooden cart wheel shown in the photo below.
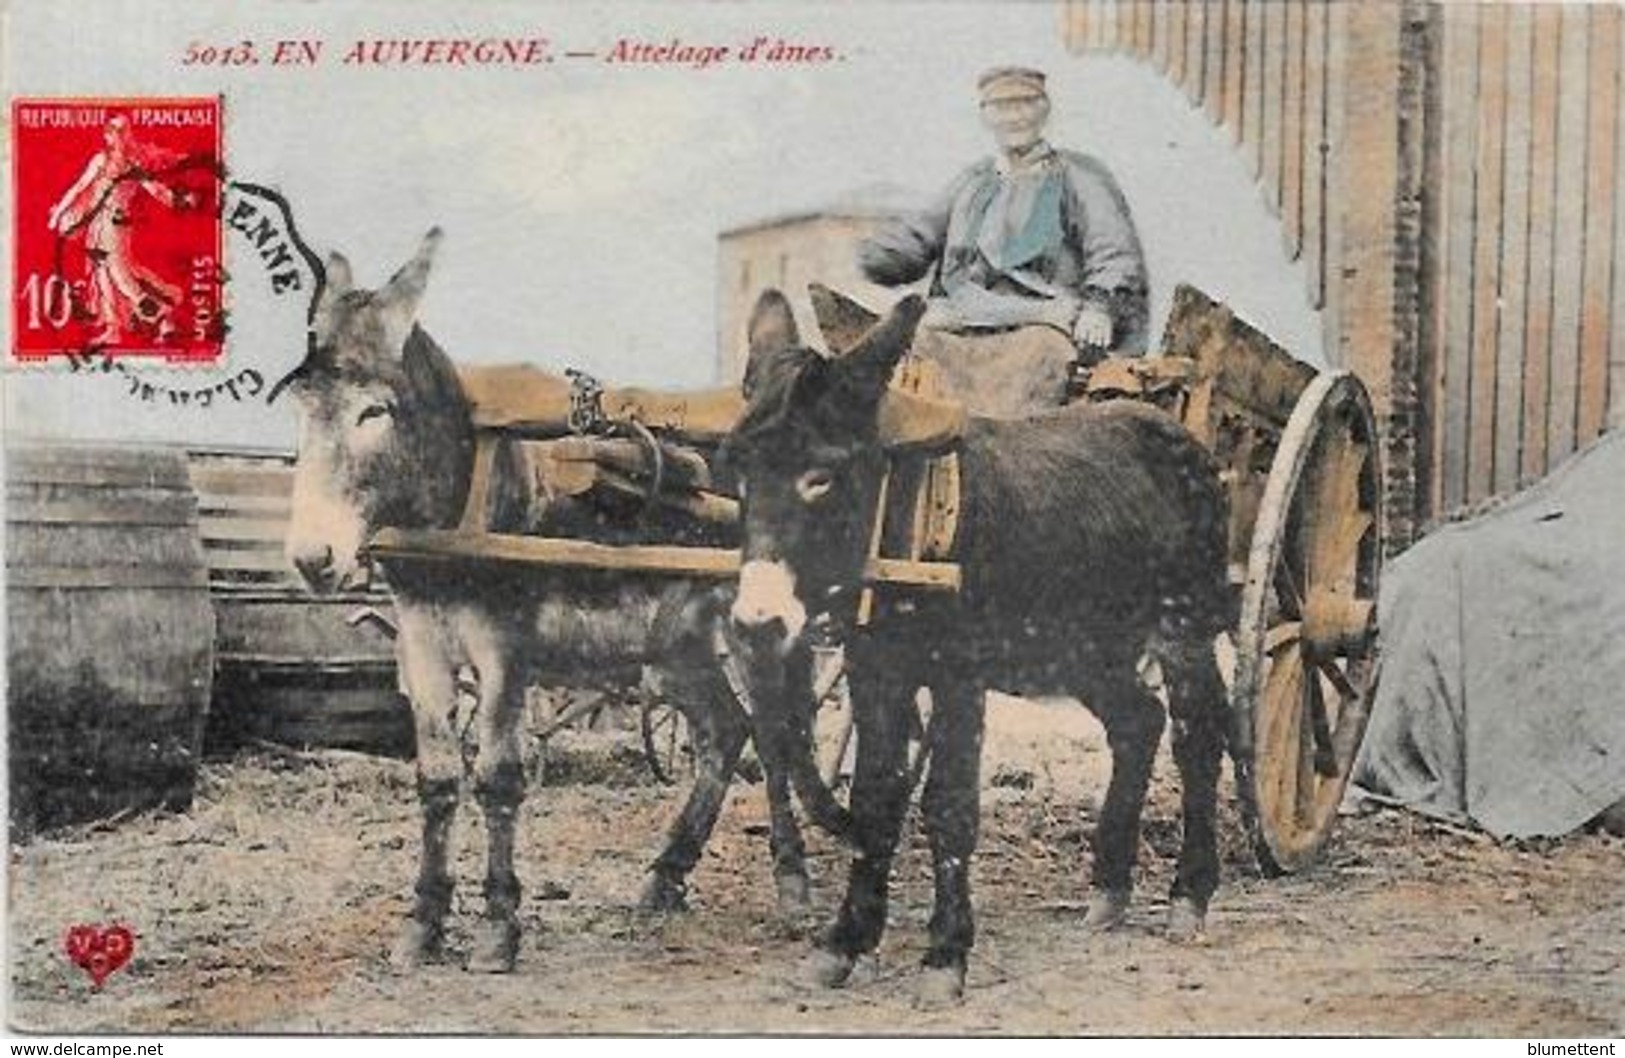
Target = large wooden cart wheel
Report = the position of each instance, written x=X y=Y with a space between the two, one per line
x=668 y=748
x=666 y=742
x=1306 y=645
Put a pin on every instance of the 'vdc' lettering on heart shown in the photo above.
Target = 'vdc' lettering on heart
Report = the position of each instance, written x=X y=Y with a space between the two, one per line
x=99 y=950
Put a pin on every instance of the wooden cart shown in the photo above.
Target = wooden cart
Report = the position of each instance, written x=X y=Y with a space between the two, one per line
x=1297 y=451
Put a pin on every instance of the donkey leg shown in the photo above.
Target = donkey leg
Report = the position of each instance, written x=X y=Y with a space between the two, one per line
x=881 y=701
x=1134 y=721
x=430 y=685
x=499 y=786
x=790 y=882
x=719 y=730
x=784 y=838
x=1197 y=701
x=953 y=821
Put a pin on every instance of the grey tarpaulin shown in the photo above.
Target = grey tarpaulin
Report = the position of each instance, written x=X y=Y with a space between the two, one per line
x=1501 y=693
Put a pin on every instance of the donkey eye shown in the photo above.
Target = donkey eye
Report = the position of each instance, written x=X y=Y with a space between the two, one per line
x=374 y=411
x=814 y=485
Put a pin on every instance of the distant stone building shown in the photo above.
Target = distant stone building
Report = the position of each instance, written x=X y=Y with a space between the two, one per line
x=791 y=250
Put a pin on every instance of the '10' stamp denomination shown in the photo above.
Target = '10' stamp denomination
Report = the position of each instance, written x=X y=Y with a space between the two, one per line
x=117 y=228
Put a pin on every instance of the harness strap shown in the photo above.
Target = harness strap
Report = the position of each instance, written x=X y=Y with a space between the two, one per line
x=477 y=509
x=730 y=668
x=877 y=532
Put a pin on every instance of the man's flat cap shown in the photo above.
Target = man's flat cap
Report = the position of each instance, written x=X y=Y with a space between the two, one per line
x=1010 y=82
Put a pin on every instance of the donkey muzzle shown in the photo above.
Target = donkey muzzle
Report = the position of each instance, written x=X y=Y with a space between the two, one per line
x=767 y=610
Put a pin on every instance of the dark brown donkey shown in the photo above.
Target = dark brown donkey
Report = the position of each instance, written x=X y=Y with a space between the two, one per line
x=387 y=439
x=1087 y=536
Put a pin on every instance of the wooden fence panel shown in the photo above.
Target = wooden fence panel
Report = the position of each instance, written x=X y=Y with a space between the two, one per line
x=1569 y=235
x=1515 y=250
x=1486 y=270
x=1602 y=191
x=1293 y=94
x=1176 y=18
x=1252 y=88
x=1616 y=327
x=1273 y=113
x=1542 y=210
x=1235 y=65
x=1162 y=36
x=1196 y=40
x=1314 y=150
x=1214 y=57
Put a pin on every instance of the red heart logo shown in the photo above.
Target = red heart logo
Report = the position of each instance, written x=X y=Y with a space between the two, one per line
x=99 y=950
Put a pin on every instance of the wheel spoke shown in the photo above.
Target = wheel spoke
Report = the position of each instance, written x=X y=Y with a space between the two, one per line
x=1280 y=724
x=1303 y=772
x=1339 y=680
x=1334 y=519
x=1288 y=588
x=1314 y=703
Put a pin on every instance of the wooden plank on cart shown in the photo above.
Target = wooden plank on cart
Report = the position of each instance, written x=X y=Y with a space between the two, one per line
x=524 y=399
x=1247 y=368
x=445 y=545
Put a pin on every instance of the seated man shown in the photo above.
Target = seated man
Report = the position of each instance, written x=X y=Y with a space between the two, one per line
x=1037 y=261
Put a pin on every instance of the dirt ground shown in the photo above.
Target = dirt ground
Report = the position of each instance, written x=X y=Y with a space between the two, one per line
x=270 y=907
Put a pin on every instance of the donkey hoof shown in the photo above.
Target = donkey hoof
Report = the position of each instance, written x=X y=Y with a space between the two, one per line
x=417 y=945
x=663 y=893
x=1108 y=909
x=795 y=896
x=495 y=948
x=1187 y=921
x=940 y=986
x=828 y=969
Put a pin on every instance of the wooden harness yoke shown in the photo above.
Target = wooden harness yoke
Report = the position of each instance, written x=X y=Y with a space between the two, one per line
x=656 y=450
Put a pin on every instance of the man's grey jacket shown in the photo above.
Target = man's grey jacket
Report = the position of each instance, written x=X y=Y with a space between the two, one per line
x=1033 y=245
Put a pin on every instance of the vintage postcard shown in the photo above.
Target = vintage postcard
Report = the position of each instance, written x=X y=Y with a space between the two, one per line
x=1079 y=518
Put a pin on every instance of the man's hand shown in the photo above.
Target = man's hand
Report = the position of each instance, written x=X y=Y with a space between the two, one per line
x=1092 y=328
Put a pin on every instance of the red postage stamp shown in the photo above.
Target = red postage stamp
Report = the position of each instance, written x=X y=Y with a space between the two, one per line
x=117 y=230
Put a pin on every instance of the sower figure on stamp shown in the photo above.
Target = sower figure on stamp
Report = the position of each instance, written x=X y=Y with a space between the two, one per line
x=127 y=294
x=1037 y=261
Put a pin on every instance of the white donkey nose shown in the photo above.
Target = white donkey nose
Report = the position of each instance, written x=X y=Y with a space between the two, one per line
x=767 y=593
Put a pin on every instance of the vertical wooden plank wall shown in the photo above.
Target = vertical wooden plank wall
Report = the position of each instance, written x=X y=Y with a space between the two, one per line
x=1502 y=460
x=1542 y=204
x=1525 y=324
x=1448 y=246
x=1519 y=293
x=1601 y=257
x=1486 y=261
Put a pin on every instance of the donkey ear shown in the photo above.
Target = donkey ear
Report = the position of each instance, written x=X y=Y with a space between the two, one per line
x=866 y=370
x=398 y=300
x=772 y=324
x=771 y=330
x=337 y=281
x=340 y=280
x=841 y=320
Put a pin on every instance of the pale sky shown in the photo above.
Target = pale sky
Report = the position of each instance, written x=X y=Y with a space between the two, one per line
x=581 y=200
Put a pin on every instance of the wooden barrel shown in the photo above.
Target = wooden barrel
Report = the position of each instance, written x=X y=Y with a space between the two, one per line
x=110 y=644
x=291 y=667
